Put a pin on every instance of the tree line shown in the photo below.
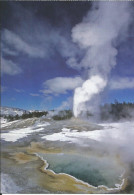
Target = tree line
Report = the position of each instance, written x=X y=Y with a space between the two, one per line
x=26 y=115
x=117 y=111
x=63 y=115
x=114 y=111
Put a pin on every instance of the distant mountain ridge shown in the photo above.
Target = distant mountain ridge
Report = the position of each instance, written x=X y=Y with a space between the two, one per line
x=5 y=111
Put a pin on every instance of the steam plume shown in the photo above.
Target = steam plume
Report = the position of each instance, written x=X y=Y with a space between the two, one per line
x=98 y=35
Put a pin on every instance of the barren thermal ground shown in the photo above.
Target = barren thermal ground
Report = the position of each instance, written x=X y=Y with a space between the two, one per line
x=69 y=156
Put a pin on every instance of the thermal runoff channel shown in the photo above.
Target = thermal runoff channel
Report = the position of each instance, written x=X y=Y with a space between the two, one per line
x=98 y=35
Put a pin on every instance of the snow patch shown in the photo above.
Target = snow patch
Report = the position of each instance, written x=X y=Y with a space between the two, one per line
x=8 y=123
x=112 y=131
x=12 y=111
x=17 y=134
x=3 y=120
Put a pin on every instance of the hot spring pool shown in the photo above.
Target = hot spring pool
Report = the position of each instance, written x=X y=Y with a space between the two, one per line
x=93 y=170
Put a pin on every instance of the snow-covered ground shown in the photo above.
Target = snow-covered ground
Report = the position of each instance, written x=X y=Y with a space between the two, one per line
x=117 y=132
x=14 y=135
x=3 y=121
x=12 y=111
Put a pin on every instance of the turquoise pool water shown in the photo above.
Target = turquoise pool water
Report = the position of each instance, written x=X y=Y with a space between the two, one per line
x=93 y=170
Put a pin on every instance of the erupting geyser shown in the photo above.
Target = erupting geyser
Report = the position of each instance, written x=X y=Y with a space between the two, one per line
x=83 y=94
x=98 y=35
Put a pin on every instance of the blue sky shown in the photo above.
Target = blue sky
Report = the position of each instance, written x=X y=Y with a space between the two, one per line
x=35 y=47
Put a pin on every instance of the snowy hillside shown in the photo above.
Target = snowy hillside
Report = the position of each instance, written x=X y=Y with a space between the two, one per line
x=12 y=111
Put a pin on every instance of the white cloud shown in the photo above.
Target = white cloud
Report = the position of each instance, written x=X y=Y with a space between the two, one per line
x=122 y=83
x=8 y=51
x=9 y=67
x=19 y=90
x=60 y=85
x=13 y=41
x=12 y=45
x=34 y=94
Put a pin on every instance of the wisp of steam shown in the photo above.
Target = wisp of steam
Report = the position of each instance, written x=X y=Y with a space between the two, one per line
x=98 y=35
